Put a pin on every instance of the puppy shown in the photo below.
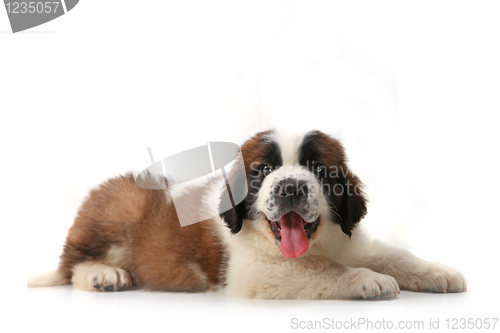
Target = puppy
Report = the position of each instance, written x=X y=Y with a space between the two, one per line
x=294 y=236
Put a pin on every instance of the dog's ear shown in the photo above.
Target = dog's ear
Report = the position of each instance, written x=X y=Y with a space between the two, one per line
x=232 y=208
x=234 y=217
x=353 y=204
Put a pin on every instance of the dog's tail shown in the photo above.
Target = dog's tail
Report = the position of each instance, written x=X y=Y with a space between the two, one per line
x=49 y=279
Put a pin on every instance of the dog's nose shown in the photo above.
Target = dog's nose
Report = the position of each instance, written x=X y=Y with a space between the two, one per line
x=291 y=187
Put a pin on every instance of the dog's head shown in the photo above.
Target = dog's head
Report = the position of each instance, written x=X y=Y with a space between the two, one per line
x=296 y=183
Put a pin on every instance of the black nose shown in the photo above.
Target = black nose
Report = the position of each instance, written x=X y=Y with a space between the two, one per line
x=291 y=187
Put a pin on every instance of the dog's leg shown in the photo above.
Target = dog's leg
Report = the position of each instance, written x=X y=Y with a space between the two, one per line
x=412 y=273
x=307 y=278
x=100 y=277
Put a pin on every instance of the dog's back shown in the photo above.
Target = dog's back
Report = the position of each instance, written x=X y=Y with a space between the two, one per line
x=125 y=234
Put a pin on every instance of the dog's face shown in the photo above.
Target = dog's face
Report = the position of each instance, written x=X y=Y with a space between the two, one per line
x=295 y=184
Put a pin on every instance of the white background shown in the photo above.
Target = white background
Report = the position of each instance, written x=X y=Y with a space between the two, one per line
x=411 y=88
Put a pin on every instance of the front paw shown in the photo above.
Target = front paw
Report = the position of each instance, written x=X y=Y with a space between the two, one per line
x=435 y=278
x=366 y=284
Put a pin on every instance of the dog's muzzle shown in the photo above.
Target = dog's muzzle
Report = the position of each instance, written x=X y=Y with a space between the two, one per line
x=292 y=211
x=292 y=195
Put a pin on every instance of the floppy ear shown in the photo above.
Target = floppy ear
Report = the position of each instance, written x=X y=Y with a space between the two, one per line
x=353 y=204
x=232 y=207
x=234 y=217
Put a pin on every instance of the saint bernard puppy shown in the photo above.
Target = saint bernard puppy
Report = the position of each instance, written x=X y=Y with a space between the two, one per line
x=294 y=236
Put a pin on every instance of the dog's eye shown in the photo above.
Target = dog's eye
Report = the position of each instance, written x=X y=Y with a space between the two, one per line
x=317 y=167
x=266 y=169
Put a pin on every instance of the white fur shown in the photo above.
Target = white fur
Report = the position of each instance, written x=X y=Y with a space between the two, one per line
x=97 y=276
x=289 y=144
x=335 y=266
x=49 y=279
x=117 y=255
x=196 y=269
x=87 y=275
x=315 y=199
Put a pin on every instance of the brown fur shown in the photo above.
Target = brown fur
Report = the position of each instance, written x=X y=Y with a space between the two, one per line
x=161 y=253
x=253 y=150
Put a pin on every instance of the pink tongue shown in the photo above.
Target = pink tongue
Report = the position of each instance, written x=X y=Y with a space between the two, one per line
x=294 y=241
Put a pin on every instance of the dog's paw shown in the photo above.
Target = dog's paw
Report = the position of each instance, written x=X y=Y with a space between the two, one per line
x=99 y=277
x=366 y=284
x=435 y=278
x=111 y=279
